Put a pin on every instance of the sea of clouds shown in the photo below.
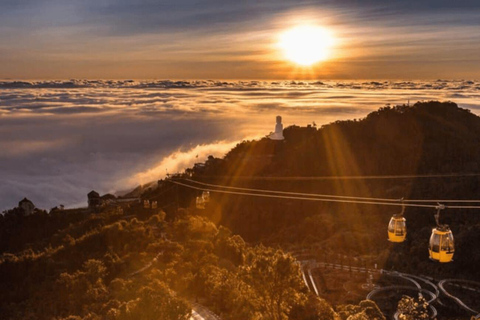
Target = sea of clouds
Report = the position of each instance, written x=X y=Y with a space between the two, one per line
x=61 y=139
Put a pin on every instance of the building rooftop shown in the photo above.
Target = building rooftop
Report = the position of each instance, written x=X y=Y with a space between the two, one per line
x=25 y=200
x=93 y=194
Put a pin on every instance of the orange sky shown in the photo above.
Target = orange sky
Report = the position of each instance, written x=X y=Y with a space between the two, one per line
x=119 y=39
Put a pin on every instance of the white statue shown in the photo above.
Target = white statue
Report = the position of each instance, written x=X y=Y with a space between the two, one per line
x=278 y=134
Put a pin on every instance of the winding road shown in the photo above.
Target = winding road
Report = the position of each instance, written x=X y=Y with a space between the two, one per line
x=459 y=302
x=432 y=292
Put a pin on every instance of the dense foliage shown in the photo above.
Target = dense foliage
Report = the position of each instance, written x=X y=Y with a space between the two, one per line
x=107 y=265
x=428 y=138
x=413 y=309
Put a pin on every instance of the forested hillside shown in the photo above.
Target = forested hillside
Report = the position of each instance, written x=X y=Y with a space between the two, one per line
x=76 y=264
x=133 y=262
x=428 y=138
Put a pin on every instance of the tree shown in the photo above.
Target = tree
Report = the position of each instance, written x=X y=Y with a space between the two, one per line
x=155 y=302
x=312 y=308
x=366 y=310
x=276 y=278
x=412 y=309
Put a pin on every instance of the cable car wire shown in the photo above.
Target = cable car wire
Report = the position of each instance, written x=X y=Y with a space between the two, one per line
x=264 y=195
x=329 y=196
x=407 y=176
x=291 y=193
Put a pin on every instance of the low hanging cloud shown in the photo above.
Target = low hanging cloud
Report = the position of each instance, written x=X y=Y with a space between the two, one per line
x=179 y=160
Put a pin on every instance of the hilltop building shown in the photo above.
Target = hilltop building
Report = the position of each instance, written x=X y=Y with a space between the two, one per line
x=57 y=208
x=27 y=206
x=94 y=200
x=108 y=199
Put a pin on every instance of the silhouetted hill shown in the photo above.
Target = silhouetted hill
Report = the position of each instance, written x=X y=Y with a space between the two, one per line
x=427 y=138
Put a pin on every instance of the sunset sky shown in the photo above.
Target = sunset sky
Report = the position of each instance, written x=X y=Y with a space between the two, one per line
x=407 y=39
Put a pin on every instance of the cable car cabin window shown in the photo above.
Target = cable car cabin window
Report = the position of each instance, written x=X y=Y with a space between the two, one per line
x=452 y=242
x=400 y=228
x=435 y=242
x=447 y=243
x=391 y=226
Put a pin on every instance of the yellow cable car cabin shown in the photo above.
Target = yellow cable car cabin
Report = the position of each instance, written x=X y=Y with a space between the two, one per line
x=200 y=203
x=442 y=246
x=397 y=229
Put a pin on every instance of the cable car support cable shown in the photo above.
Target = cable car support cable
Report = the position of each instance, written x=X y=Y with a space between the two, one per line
x=266 y=195
x=320 y=197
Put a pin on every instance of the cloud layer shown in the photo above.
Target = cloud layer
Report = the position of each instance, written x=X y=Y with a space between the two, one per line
x=60 y=139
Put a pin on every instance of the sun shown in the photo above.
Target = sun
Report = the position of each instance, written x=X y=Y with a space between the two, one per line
x=306 y=44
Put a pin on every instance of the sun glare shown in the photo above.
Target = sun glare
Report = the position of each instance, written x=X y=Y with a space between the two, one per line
x=306 y=45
